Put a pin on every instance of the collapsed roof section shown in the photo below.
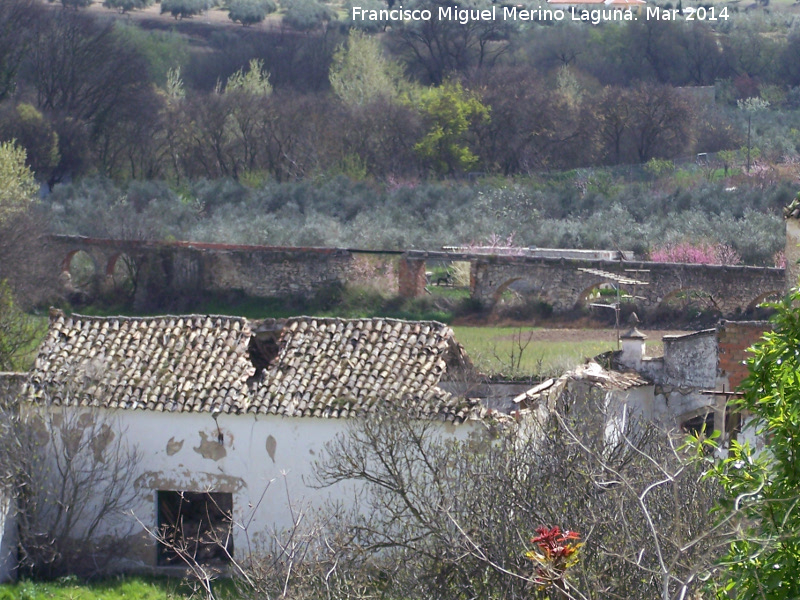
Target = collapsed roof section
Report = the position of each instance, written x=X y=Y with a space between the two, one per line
x=303 y=366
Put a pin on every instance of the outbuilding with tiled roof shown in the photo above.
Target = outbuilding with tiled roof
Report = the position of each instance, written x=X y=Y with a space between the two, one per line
x=222 y=408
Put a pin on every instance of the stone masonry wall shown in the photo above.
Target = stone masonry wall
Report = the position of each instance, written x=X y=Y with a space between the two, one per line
x=564 y=285
x=168 y=271
x=411 y=279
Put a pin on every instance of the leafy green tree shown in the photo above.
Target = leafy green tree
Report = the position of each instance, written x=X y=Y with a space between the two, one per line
x=255 y=82
x=20 y=255
x=450 y=111
x=17 y=331
x=181 y=9
x=306 y=15
x=249 y=12
x=17 y=185
x=124 y=6
x=360 y=74
x=163 y=50
x=763 y=486
x=76 y=4
x=28 y=127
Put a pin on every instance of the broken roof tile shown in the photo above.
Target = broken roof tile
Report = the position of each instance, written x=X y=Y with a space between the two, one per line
x=330 y=368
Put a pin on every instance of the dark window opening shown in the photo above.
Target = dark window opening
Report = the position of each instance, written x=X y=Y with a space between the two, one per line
x=195 y=525
x=701 y=424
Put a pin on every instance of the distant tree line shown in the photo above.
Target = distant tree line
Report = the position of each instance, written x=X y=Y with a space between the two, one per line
x=582 y=209
x=84 y=95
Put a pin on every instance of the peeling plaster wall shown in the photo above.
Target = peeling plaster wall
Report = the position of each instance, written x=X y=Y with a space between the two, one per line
x=8 y=542
x=10 y=384
x=691 y=360
x=689 y=365
x=623 y=406
x=180 y=452
x=674 y=404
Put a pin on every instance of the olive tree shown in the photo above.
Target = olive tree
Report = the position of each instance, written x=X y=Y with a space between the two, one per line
x=306 y=15
x=250 y=12
x=124 y=6
x=182 y=9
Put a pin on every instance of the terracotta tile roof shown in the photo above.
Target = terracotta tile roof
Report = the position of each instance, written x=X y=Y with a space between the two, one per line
x=338 y=367
x=177 y=363
x=322 y=367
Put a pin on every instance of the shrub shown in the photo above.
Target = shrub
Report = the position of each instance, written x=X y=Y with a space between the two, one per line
x=305 y=15
x=181 y=9
x=530 y=308
x=249 y=12
x=127 y=5
x=453 y=519
x=71 y=475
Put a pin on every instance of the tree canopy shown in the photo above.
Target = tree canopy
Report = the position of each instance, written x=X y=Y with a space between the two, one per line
x=181 y=9
x=250 y=12
x=127 y=5
x=763 y=485
x=305 y=15
x=450 y=112
x=359 y=73
x=17 y=185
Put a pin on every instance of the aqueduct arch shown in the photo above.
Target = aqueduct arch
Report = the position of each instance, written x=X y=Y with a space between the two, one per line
x=168 y=270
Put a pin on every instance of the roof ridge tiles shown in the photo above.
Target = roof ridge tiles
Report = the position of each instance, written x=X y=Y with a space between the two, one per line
x=56 y=314
x=325 y=366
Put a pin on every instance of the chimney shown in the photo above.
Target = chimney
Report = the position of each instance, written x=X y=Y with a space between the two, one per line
x=633 y=350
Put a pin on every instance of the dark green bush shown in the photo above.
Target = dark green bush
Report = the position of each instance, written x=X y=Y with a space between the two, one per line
x=186 y=8
x=305 y=15
x=250 y=12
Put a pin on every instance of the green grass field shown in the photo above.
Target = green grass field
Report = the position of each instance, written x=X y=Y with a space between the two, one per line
x=517 y=352
x=128 y=588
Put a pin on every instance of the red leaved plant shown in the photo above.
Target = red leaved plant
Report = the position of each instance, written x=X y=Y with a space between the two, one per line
x=557 y=552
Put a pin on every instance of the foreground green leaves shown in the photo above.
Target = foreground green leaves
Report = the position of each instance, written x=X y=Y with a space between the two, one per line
x=762 y=481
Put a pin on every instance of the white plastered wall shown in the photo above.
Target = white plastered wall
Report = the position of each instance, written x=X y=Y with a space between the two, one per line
x=181 y=452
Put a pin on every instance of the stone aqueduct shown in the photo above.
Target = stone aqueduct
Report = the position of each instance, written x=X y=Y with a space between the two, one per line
x=164 y=272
